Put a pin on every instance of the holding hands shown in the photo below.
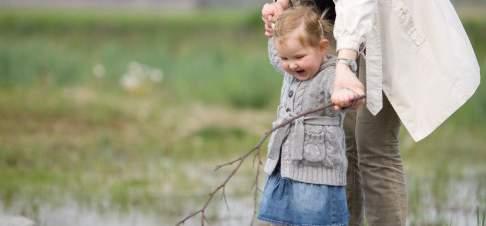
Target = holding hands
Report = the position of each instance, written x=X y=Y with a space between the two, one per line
x=348 y=90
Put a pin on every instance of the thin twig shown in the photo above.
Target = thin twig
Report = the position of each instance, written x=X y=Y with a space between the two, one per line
x=239 y=161
x=255 y=194
x=225 y=199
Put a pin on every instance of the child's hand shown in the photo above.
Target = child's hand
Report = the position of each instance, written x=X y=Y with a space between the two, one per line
x=270 y=12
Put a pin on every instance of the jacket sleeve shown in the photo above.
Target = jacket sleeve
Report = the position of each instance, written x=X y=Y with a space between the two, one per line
x=273 y=57
x=354 y=19
x=329 y=85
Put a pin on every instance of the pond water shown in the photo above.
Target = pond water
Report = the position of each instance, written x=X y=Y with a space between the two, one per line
x=452 y=201
x=73 y=214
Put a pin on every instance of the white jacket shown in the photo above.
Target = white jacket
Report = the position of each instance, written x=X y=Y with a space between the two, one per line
x=417 y=53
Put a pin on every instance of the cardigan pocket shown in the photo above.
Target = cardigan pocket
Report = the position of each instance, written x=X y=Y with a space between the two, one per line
x=335 y=146
x=314 y=150
x=321 y=146
x=408 y=23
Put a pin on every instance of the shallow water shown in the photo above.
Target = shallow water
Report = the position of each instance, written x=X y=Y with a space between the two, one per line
x=457 y=205
x=73 y=214
x=449 y=201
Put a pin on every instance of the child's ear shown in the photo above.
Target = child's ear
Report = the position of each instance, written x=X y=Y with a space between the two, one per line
x=323 y=44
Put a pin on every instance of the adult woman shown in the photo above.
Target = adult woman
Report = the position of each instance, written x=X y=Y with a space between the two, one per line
x=411 y=76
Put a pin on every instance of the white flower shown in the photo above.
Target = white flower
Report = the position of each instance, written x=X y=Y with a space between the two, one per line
x=130 y=81
x=139 y=76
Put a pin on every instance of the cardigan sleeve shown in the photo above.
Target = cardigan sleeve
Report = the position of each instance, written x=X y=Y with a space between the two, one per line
x=354 y=19
x=329 y=85
x=273 y=57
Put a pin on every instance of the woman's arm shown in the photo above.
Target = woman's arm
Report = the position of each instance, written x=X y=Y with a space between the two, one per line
x=354 y=19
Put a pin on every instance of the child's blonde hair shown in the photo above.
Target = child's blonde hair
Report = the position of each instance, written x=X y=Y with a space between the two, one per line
x=315 y=26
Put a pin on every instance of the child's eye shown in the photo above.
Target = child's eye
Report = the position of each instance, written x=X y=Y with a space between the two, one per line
x=299 y=57
x=284 y=58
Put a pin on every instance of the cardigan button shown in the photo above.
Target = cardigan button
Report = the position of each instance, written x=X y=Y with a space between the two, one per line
x=291 y=93
x=287 y=110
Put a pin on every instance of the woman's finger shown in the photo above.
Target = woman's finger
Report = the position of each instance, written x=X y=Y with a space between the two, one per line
x=336 y=98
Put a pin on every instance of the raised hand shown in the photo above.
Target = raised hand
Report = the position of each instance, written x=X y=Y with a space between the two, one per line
x=270 y=12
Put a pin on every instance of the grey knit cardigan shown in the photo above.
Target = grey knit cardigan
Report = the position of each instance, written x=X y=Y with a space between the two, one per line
x=312 y=148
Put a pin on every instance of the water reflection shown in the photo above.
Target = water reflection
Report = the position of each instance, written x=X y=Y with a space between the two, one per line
x=74 y=214
x=446 y=200
x=456 y=204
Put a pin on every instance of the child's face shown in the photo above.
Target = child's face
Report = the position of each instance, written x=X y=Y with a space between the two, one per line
x=301 y=61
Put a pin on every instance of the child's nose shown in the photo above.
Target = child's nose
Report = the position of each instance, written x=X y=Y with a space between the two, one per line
x=293 y=66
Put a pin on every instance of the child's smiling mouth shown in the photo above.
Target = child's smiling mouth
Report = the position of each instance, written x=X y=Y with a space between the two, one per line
x=300 y=72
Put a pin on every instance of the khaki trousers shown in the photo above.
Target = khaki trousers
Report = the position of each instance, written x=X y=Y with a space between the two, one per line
x=376 y=184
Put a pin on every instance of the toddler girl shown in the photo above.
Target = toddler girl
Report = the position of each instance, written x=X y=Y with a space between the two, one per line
x=306 y=159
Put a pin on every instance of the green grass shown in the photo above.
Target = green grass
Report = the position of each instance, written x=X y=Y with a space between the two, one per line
x=62 y=49
x=123 y=21
x=92 y=144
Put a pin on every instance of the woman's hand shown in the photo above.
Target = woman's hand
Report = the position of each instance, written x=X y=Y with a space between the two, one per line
x=270 y=12
x=347 y=89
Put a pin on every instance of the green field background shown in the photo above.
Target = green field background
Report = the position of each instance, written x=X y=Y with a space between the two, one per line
x=131 y=110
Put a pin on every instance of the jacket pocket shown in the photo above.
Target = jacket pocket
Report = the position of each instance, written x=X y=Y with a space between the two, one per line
x=335 y=146
x=408 y=23
x=322 y=145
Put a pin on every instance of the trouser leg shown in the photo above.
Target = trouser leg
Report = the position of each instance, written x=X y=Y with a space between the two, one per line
x=353 y=187
x=383 y=183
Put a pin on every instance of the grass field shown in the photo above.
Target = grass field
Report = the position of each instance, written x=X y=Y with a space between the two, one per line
x=107 y=112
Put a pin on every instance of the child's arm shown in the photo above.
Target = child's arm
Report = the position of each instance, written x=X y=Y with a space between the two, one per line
x=273 y=57
x=329 y=86
x=326 y=84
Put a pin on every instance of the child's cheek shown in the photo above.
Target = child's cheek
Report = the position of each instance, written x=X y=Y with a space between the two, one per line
x=285 y=66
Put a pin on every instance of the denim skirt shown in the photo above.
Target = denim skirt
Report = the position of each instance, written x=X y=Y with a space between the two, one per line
x=293 y=203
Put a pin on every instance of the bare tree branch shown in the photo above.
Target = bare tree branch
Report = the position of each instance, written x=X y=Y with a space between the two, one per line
x=225 y=199
x=239 y=161
x=255 y=194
